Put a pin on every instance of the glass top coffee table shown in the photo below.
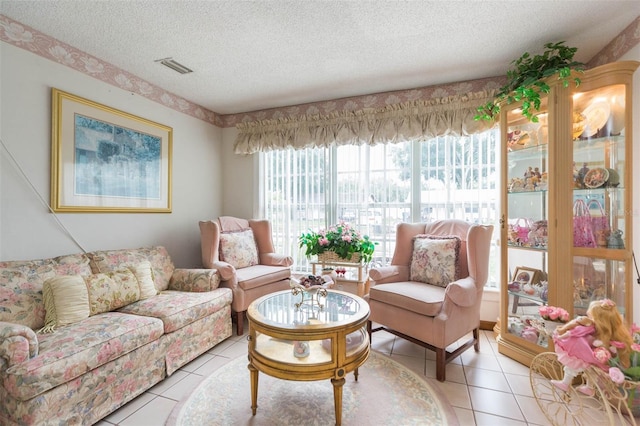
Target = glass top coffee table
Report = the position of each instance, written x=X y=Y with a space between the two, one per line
x=307 y=337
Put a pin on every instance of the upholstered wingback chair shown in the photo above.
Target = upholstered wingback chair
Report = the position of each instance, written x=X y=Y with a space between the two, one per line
x=431 y=292
x=242 y=252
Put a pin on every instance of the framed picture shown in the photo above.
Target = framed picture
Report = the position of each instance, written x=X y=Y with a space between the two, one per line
x=525 y=275
x=106 y=160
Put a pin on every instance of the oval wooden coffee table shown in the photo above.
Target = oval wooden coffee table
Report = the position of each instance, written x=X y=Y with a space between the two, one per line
x=307 y=342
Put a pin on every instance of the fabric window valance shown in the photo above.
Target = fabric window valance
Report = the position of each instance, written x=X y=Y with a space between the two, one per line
x=425 y=119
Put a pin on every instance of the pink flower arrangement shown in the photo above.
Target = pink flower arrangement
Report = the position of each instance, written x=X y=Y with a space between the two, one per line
x=617 y=371
x=553 y=313
x=342 y=239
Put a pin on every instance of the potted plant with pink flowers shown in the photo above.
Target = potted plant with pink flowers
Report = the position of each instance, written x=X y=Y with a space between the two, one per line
x=346 y=242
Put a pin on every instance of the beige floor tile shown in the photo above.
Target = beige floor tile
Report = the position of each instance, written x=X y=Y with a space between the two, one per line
x=168 y=382
x=531 y=410
x=457 y=394
x=407 y=348
x=470 y=358
x=155 y=413
x=217 y=349
x=212 y=365
x=484 y=419
x=235 y=350
x=183 y=388
x=465 y=417
x=501 y=404
x=511 y=366
x=130 y=408
x=520 y=385
x=415 y=364
x=489 y=379
x=382 y=342
x=453 y=372
x=197 y=363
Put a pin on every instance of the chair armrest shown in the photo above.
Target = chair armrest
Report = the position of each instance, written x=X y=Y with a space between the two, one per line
x=194 y=280
x=275 y=259
x=226 y=270
x=462 y=292
x=18 y=343
x=389 y=274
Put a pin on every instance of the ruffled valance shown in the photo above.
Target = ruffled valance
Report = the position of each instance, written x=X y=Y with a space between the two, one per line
x=421 y=119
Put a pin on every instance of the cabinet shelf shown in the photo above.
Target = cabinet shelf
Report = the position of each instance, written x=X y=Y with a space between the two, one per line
x=525 y=247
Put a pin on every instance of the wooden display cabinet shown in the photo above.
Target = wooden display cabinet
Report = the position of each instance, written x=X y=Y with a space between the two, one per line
x=578 y=152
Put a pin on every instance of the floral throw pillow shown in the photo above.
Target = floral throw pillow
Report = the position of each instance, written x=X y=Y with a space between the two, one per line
x=435 y=259
x=72 y=298
x=239 y=248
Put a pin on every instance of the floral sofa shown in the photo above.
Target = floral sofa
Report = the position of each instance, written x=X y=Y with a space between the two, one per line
x=104 y=342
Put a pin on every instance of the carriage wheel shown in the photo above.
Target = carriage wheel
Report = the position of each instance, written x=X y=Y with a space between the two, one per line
x=570 y=408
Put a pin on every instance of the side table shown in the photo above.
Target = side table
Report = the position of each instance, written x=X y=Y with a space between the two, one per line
x=307 y=343
x=355 y=280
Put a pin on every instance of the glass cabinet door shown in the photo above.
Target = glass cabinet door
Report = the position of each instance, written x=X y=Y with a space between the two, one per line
x=526 y=207
x=600 y=193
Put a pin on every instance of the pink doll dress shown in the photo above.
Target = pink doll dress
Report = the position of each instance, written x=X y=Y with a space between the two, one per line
x=575 y=349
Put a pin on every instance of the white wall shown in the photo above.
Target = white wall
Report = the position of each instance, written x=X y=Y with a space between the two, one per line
x=634 y=54
x=240 y=194
x=29 y=231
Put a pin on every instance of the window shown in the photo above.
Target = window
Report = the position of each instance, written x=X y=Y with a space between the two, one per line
x=376 y=187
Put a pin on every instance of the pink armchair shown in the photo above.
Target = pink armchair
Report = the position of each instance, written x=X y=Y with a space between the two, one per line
x=242 y=252
x=433 y=316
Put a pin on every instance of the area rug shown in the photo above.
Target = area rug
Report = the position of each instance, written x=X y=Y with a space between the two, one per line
x=386 y=393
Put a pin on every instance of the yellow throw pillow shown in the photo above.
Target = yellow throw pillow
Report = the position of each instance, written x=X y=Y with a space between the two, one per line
x=72 y=298
x=144 y=274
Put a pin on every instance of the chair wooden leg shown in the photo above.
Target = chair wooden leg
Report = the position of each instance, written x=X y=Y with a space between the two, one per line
x=441 y=364
x=240 y=323
x=476 y=337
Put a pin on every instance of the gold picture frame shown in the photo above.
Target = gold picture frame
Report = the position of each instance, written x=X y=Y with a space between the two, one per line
x=106 y=160
x=525 y=275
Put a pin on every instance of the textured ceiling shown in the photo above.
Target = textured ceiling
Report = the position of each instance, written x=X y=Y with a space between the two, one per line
x=252 y=55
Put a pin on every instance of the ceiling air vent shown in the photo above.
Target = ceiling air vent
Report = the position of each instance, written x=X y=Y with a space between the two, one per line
x=176 y=66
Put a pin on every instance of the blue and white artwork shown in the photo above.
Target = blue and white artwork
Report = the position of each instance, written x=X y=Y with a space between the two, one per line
x=113 y=161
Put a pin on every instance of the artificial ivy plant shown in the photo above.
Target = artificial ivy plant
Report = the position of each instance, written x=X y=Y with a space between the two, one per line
x=525 y=80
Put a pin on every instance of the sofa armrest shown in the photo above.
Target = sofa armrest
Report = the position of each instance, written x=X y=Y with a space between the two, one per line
x=462 y=292
x=275 y=259
x=18 y=343
x=389 y=274
x=194 y=280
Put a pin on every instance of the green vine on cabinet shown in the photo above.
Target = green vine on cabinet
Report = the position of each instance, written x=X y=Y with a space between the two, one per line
x=525 y=80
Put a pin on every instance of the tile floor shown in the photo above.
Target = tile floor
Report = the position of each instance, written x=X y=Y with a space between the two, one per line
x=484 y=388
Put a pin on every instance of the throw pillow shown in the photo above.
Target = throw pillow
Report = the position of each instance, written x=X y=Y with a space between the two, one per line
x=239 y=248
x=72 y=298
x=435 y=259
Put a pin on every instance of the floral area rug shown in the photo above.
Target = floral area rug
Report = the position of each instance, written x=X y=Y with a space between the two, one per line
x=386 y=393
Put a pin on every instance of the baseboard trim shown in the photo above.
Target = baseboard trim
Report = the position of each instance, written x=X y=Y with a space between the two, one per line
x=487 y=325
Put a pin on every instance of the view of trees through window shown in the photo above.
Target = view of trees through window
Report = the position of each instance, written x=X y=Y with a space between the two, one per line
x=376 y=187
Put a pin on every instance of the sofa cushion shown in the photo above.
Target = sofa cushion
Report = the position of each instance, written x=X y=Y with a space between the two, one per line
x=21 y=286
x=72 y=298
x=77 y=349
x=110 y=260
x=238 y=248
x=177 y=309
x=435 y=259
